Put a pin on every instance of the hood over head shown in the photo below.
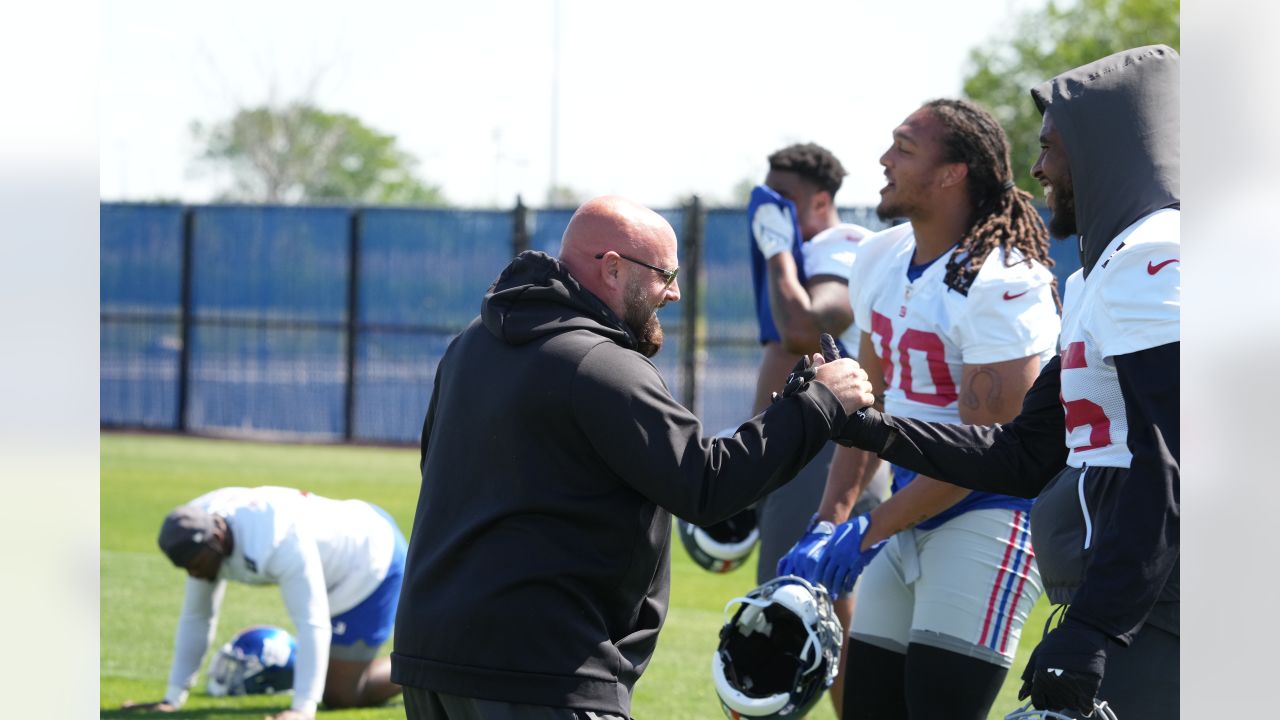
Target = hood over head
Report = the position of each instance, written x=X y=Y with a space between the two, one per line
x=535 y=296
x=1119 y=119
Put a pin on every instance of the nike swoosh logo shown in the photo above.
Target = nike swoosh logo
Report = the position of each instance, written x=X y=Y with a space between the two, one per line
x=1007 y=296
x=1153 y=269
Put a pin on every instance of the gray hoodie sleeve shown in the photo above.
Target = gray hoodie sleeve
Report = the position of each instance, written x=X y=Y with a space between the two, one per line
x=657 y=446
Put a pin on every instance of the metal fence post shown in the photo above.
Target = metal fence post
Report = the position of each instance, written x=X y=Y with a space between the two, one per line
x=353 y=321
x=694 y=232
x=188 y=319
x=520 y=227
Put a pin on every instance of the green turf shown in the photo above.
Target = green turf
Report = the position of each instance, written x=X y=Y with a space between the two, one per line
x=144 y=476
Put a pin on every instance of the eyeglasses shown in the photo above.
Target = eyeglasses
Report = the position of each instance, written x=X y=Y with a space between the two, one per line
x=668 y=275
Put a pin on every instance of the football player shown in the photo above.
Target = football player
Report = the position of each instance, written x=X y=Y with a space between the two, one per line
x=339 y=565
x=957 y=312
x=794 y=215
x=1106 y=525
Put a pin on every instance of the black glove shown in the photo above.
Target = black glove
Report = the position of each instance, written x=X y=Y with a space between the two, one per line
x=1066 y=668
x=798 y=381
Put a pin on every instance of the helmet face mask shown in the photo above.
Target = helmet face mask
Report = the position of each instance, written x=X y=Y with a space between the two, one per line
x=724 y=546
x=257 y=661
x=1101 y=711
x=779 y=652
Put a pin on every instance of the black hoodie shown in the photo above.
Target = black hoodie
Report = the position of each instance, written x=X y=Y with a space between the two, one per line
x=552 y=453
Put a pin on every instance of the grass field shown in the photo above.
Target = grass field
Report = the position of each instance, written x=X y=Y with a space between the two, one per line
x=144 y=476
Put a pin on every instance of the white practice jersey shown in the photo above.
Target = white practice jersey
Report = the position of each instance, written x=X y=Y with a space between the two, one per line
x=833 y=252
x=1131 y=301
x=326 y=556
x=924 y=332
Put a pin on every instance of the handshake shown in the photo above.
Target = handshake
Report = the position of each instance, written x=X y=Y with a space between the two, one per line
x=831 y=555
x=846 y=380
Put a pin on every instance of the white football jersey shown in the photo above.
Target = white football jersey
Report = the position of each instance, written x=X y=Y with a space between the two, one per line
x=326 y=556
x=924 y=332
x=281 y=530
x=1131 y=301
x=833 y=252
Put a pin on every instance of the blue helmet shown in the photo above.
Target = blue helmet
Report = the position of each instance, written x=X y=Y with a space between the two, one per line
x=257 y=661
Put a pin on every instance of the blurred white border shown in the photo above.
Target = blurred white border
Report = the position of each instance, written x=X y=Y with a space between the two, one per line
x=49 y=364
x=1231 y=388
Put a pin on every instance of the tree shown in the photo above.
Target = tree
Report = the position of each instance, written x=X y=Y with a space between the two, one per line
x=1047 y=42
x=300 y=153
x=561 y=195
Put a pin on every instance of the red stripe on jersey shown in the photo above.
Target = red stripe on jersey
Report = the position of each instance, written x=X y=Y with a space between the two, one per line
x=1073 y=356
x=1029 y=554
x=995 y=587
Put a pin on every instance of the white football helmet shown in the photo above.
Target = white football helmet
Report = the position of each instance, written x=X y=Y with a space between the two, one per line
x=724 y=546
x=1101 y=711
x=779 y=652
x=258 y=660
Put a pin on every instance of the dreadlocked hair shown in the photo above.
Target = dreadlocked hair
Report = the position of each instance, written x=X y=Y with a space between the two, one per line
x=1003 y=215
x=812 y=162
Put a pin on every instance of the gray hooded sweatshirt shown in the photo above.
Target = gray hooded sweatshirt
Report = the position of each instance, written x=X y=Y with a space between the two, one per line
x=1120 y=124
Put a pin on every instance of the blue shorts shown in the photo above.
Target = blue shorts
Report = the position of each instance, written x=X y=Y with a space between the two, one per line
x=368 y=625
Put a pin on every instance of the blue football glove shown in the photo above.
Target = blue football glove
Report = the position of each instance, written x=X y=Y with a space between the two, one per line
x=844 y=559
x=773 y=221
x=802 y=558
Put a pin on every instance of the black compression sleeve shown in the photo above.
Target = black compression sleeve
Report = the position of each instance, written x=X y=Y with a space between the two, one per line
x=1139 y=548
x=1016 y=458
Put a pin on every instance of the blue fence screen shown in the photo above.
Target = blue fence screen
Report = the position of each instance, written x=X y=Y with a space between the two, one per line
x=327 y=323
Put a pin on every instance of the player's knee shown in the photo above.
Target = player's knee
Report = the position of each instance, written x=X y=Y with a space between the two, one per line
x=341 y=697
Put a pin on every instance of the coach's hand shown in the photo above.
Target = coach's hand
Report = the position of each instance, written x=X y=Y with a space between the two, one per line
x=802 y=558
x=160 y=706
x=843 y=560
x=1066 y=668
x=773 y=227
x=847 y=380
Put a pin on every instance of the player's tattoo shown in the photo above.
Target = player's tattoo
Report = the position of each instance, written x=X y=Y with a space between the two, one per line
x=917 y=521
x=990 y=379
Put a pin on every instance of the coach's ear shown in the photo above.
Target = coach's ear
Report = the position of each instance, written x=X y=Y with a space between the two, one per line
x=611 y=270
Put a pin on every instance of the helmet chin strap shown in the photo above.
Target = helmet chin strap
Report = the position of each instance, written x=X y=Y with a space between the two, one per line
x=776 y=593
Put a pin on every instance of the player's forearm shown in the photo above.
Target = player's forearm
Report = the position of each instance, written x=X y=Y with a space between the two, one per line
x=196 y=627
x=910 y=506
x=789 y=303
x=312 y=662
x=848 y=475
x=775 y=365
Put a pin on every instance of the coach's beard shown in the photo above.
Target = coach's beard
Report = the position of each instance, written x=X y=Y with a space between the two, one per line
x=642 y=320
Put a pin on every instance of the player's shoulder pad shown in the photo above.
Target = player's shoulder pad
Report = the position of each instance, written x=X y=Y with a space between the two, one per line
x=1139 y=287
x=1010 y=271
x=883 y=242
x=1152 y=244
x=877 y=248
